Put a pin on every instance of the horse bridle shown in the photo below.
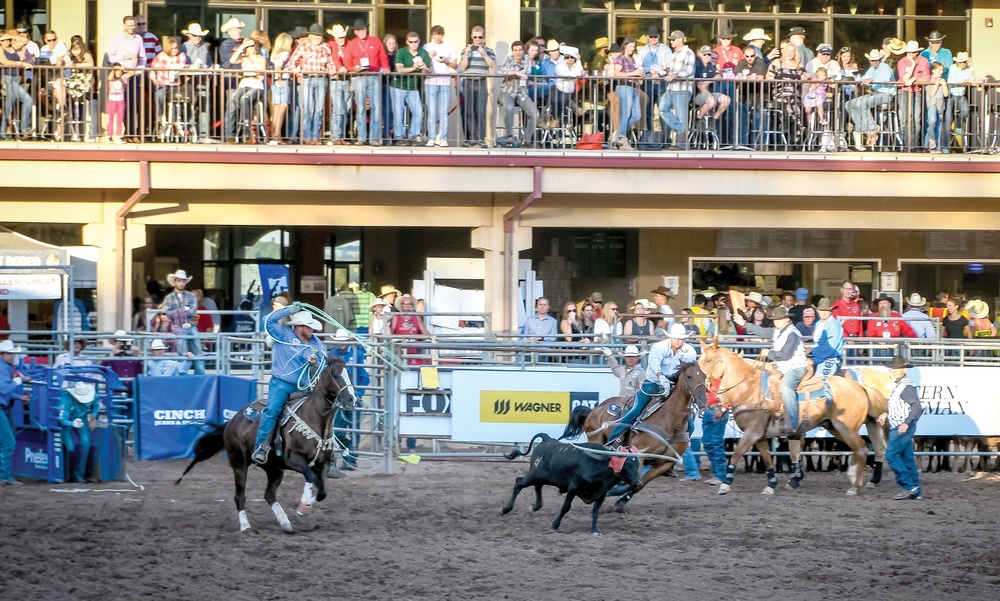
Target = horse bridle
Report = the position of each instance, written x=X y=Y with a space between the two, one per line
x=340 y=390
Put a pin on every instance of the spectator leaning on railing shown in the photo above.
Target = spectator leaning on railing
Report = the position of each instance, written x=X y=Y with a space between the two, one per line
x=477 y=61
x=127 y=49
x=412 y=62
x=162 y=366
x=366 y=58
x=13 y=73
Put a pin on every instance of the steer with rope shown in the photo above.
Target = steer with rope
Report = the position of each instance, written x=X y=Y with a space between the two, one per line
x=672 y=383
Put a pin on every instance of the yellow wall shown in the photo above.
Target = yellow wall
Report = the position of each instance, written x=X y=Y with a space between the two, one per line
x=68 y=18
x=109 y=23
x=985 y=53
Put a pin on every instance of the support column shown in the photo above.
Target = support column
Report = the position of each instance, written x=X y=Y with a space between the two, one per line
x=113 y=312
x=110 y=14
x=501 y=254
x=453 y=15
x=68 y=18
x=503 y=25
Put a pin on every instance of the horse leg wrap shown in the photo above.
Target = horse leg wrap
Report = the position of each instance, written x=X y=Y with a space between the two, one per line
x=730 y=473
x=877 y=473
x=244 y=522
x=282 y=517
x=772 y=479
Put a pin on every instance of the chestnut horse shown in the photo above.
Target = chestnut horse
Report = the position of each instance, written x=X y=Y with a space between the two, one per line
x=666 y=424
x=737 y=383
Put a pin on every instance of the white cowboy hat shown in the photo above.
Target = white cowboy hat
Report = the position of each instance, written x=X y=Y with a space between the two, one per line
x=180 y=275
x=631 y=351
x=337 y=31
x=379 y=302
x=757 y=33
x=916 y=300
x=645 y=302
x=570 y=51
x=7 y=346
x=388 y=289
x=977 y=309
x=121 y=335
x=962 y=57
x=342 y=335
x=875 y=55
x=677 y=331
x=551 y=46
x=195 y=29
x=756 y=297
x=913 y=46
x=82 y=392
x=232 y=23
x=304 y=318
x=157 y=345
x=710 y=291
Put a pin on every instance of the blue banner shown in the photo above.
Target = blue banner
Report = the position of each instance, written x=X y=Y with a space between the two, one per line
x=39 y=455
x=273 y=281
x=234 y=395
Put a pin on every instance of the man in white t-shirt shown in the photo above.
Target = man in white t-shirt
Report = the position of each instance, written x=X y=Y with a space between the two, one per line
x=444 y=60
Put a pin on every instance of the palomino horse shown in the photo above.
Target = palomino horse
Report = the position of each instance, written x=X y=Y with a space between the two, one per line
x=738 y=384
x=666 y=424
x=308 y=444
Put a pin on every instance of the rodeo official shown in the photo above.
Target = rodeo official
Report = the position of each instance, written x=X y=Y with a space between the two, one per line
x=904 y=411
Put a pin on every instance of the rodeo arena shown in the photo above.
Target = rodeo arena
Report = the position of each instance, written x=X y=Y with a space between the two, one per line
x=499 y=299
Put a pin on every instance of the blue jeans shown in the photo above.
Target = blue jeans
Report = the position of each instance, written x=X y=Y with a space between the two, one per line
x=674 y=114
x=646 y=391
x=860 y=110
x=188 y=343
x=15 y=93
x=367 y=87
x=899 y=454
x=294 y=118
x=278 y=392
x=713 y=432
x=340 y=108
x=628 y=108
x=313 y=101
x=347 y=419
x=438 y=98
x=910 y=108
x=934 y=118
x=691 y=463
x=6 y=448
x=827 y=368
x=79 y=465
x=403 y=100
x=789 y=382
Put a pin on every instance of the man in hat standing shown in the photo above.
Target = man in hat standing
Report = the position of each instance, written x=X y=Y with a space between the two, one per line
x=797 y=38
x=879 y=77
x=673 y=105
x=903 y=412
x=891 y=324
x=601 y=54
x=182 y=308
x=11 y=389
x=161 y=366
x=233 y=30
x=78 y=413
x=756 y=38
x=199 y=57
x=916 y=317
x=960 y=77
x=653 y=58
x=366 y=57
x=727 y=53
x=789 y=355
x=296 y=350
x=661 y=298
x=795 y=311
x=340 y=85
x=312 y=58
x=936 y=54
x=828 y=336
x=127 y=49
x=913 y=71
x=353 y=354
x=389 y=293
x=665 y=359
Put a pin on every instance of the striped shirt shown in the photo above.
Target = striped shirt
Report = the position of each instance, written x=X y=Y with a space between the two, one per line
x=904 y=404
x=477 y=62
x=151 y=44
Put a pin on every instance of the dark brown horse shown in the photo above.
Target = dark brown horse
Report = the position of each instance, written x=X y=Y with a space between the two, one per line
x=308 y=444
x=666 y=424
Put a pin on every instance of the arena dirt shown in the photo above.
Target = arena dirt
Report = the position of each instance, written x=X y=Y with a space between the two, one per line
x=435 y=532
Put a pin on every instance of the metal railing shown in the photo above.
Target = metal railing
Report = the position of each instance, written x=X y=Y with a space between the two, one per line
x=189 y=105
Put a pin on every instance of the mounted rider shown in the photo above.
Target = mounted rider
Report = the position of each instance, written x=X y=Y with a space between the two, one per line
x=828 y=353
x=788 y=354
x=296 y=353
x=664 y=365
x=631 y=374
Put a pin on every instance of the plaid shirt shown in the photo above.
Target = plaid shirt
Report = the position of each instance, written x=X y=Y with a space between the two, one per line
x=518 y=86
x=311 y=59
x=181 y=308
x=682 y=67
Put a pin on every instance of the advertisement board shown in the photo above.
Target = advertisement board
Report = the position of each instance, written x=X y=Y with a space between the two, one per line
x=30 y=286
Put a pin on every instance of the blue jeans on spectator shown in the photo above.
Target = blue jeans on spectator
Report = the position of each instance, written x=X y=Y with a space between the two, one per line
x=189 y=343
x=713 y=433
x=278 y=392
x=899 y=454
x=15 y=93
x=367 y=87
x=340 y=108
x=789 y=382
x=673 y=115
x=628 y=111
x=860 y=110
x=910 y=108
x=79 y=464
x=294 y=114
x=438 y=98
x=935 y=116
x=7 y=442
x=691 y=462
x=313 y=102
x=403 y=100
x=347 y=419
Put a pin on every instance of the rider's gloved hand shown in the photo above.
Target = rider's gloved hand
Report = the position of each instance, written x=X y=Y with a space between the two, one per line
x=606 y=351
x=664 y=383
x=78 y=423
x=295 y=307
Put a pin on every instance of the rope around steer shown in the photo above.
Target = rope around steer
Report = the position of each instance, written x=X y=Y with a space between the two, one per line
x=641 y=454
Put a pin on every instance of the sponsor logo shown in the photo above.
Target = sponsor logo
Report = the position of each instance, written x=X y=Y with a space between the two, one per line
x=178 y=417
x=437 y=404
x=584 y=399
x=228 y=414
x=530 y=407
x=39 y=458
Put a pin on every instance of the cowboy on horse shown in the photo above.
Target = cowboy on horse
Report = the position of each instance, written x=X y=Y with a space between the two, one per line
x=296 y=353
x=665 y=359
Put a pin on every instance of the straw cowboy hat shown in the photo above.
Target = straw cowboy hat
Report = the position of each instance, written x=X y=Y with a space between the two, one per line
x=645 y=302
x=824 y=304
x=962 y=57
x=389 y=289
x=913 y=46
x=915 y=300
x=232 y=23
x=304 y=318
x=157 y=345
x=897 y=46
x=195 y=29
x=632 y=351
x=82 y=392
x=677 y=331
x=399 y=302
x=379 y=302
x=7 y=346
x=552 y=46
x=337 y=31
x=977 y=309
x=757 y=33
x=875 y=55
x=898 y=362
x=342 y=335
x=601 y=43
x=180 y=275
x=756 y=297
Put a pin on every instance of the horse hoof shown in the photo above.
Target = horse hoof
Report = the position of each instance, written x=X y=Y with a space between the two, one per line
x=768 y=491
x=870 y=485
x=244 y=527
x=851 y=493
x=723 y=489
x=304 y=509
x=595 y=534
x=287 y=527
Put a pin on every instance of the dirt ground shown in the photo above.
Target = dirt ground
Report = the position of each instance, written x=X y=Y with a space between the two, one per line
x=435 y=532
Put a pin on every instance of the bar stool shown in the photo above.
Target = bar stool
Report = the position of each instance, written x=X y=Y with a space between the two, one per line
x=703 y=135
x=563 y=135
x=888 y=122
x=252 y=128
x=175 y=123
x=771 y=125
x=823 y=134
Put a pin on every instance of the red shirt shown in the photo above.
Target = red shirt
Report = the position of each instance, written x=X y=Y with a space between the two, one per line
x=733 y=55
x=890 y=329
x=921 y=69
x=370 y=47
x=311 y=59
x=339 y=55
x=846 y=308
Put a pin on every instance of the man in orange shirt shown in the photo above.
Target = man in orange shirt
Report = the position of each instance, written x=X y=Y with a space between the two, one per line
x=847 y=306
x=366 y=57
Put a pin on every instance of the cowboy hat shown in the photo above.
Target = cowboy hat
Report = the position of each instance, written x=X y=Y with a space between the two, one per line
x=645 y=302
x=725 y=34
x=7 y=346
x=232 y=23
x=756 y=297
x=316 y=29
x=912 y=46
x=886 y=297
x=677 y=331
x=359 y=24
x=342 y=335
x=977 y=309
x=82 y=392
x=195 y=29
x=654 y=31
x=962 y=57
x=631 y=351
x=121 y=335
x=897 y=46
x=777 y=312
x=757 y=33
x=389 y=289
x=179 y=275
x=353 y=286
x=299 y=32
x=157 y=345
x=875 y=55
x=304 y=318
x=677 y=34
x=399 y=302
x=916 y=300
x=898 y=362
x=379 y=302
x=601 y=43
x=824 y=304
x=570 y=51
x=662 y=290
x=281 y=299
x=597 y=297
x=710 y=291
x=796 y=31
x=935 y=36
x=642 y=41
x=551 y=46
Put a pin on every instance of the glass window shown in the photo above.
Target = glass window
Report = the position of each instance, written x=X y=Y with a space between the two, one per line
x=697 y=30
x=215 y=17
x=862 y=35
x=216 y=244
x=748 y=6
x=866 y=7
x=259 y=243
x=954 y=32
x=635 y=26
x=576 y=29
x=477 y=17
x=815 y=31
x=345 y=18
x=406 y=2
x=803 y=6
x=399 y=22
x=940 y=8
x=164 y=21
x=284 y=21
x=529 y=24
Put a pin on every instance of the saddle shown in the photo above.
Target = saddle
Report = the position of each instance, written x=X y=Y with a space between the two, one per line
x=255 y=412
x=809 y=390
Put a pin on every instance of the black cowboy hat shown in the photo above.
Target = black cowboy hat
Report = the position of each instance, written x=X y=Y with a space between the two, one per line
x=359 y=24
x=299 y=32
x=777 y=312
x=898 y=362
x=662 y=290
x=886 y=297
x=315 y=29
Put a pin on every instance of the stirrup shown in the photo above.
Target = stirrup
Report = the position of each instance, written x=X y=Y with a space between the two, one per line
x=260 y=454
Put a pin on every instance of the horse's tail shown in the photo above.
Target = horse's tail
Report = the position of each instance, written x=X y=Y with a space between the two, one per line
x=877 y=403
x=517 y=453
x=207 y=446
x=577 y=419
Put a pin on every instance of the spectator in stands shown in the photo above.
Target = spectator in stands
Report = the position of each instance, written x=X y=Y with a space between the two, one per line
x=412 y=62
x=478 y=60
x=165 y=77
x=366 y=56
x=954 y=323
x=708 y=100
x=570 y=325
x=600 y=54
x=902 y=414
x=849 y=70
x=312 y=58
x=541 y=326
x=639 y=326
x=128 y=50
x=569 y=71
x=122 y=360
x=917 y=318
x=181 y=307
x=674 y=103
x=54 y=53
x=354 y=356
x=689 y=325
x=727 y=53
x=653 y=58
x=935 y=53
x=879 y=77
x=815 y=97
x=806 y=321
x=893 y=48
x=979 y=325
x=607 y=323
x=847 y=306
x=199 y=57
x=76 y=359
x=444 y=60
x=263 y=43
x=824 y=60
x=629 y=76
x=801 y=295
x=939 y=308
x=340 y=85
x=233 y=29
x=389 y=294
x=162 y=366
x=755 y=39
x=376 y=323
x=150 y=43
x=391 y=45
x=661 y=298
x=704 y=307
x=890 y=326
x=937 y=101
x=404 y=323
x=913 y=71
x=514 y=94
x=797 y=38
x=117 y=87
x=78 y=414
x=790 y=71
x=960 y=77
x=249 y=91
x=280 y=86
x=12 y=76
x=538 y=84
x=750 y=94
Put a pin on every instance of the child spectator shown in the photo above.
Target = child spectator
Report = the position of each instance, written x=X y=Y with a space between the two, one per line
x=117 y=80
x=937 y=100
x=816 y=96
